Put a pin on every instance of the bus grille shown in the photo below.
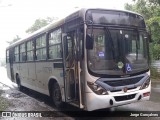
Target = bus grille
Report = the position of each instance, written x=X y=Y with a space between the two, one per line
x=125 y=97
x=123 y=82
x=121 y=89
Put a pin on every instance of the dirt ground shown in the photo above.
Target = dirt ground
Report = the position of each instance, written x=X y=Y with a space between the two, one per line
x=21 y=102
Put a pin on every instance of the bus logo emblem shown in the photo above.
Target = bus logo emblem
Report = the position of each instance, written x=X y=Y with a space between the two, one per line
x=125 y=89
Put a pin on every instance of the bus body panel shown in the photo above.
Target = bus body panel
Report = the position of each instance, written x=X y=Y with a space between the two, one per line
x=23 y=74
x=42 y=80
x=8 y=70
x=16 y=70
x=33 y=76
x=27 y=75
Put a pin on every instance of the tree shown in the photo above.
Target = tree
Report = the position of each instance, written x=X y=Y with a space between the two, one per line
x=150 y=10
x=39 y=23
x=14 y=40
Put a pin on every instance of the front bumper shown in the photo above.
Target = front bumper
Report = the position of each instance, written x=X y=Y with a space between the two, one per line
x=94 y=101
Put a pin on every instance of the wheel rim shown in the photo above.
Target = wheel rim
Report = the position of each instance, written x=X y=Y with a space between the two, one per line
x=56 y=95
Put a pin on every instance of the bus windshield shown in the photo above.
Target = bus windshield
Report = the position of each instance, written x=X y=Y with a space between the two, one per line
x=115 y=18
x=117 y=51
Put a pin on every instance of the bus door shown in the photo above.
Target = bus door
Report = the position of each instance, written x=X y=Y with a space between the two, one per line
x=11 y=58
x=71 y=68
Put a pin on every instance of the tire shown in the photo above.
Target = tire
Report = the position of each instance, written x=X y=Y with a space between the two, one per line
x=18 y=83
x=56 y=96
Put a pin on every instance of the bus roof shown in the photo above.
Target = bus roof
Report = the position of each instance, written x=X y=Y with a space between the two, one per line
x=79 y=13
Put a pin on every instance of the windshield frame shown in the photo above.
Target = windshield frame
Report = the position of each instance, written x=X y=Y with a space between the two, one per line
x=123 y=55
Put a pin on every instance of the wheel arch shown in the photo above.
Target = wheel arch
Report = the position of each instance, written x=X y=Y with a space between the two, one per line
x=51 y=82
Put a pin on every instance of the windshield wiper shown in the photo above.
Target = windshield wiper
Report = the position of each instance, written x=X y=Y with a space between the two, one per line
x=111 y=41
x=137 y=47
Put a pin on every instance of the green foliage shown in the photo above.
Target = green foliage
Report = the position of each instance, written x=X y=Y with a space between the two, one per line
x=155 y=51
x=39 y=23
x=3 y=102
x=154 y=73
x=154 y=24
x=140 y=6
x=150 y=10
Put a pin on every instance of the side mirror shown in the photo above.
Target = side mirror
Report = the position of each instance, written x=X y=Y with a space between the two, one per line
x=89 y=42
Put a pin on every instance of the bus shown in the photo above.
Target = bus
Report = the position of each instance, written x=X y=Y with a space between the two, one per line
x=92 y=59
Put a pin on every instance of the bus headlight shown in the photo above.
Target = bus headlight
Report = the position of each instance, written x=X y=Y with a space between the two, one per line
x=97 y=88
x=145 y=84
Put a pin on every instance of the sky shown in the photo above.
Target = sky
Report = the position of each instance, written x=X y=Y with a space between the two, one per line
x=16 y=16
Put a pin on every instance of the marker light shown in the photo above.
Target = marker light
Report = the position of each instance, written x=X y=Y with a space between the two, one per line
x=146 y=94
x=97 y=88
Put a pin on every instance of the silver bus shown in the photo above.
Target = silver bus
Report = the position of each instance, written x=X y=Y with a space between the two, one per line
x=92 y=59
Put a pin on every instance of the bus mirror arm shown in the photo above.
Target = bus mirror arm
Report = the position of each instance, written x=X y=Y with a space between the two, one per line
x=89 y=38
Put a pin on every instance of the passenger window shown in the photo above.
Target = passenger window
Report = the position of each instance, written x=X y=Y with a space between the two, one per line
x=30 y=50
x=41 y=48
x=55 y=44
x=22 y=53
x=16 y=54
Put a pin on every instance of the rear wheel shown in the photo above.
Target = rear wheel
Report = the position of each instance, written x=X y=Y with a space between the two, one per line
x=18 y=83
x=56 y=95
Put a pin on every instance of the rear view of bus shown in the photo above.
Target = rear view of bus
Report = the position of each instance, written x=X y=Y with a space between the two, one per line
x=117 y=57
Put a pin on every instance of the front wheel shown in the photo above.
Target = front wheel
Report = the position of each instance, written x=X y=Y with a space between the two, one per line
x=56 y=96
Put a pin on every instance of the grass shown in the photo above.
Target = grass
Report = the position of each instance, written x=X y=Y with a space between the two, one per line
x=3 y=102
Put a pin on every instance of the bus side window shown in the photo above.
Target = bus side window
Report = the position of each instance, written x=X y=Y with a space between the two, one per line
x=41 y=48
x=30 y=51
x=55 y=44
x=22 y=52
x=16 y=54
